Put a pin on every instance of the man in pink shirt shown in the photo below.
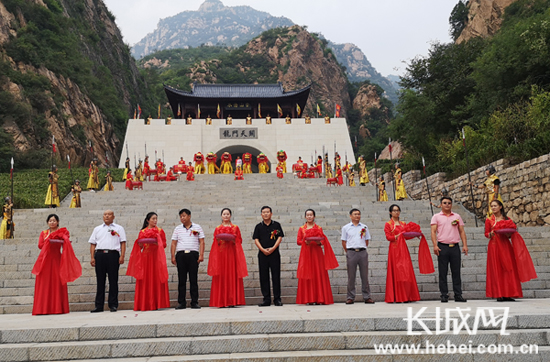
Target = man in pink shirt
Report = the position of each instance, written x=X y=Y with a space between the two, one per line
x=447 y=231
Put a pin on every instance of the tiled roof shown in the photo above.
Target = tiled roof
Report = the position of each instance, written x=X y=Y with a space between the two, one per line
x=237 y=91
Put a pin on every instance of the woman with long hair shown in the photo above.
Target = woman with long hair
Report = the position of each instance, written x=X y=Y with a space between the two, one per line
x=148 y=265
x=227 y=264
x=508 y=263
x=313 y=265
x=54 y=269
x=401 y=286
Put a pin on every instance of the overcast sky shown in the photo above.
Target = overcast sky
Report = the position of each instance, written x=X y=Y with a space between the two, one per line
x=389 y=32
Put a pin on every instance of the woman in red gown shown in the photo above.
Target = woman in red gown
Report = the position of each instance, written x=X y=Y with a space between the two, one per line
x=508 y=264
x=227 y=265
x=148 y=265
x=339 y=176
x=54 y=269
x=319 y=165
x=400 y=279
x=190 y=172
x=313 y=265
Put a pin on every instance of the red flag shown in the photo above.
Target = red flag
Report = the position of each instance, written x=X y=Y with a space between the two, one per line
x=69 y=160
x=135 y=114
x=139 y=112
x=53 y=144
x=389 y=145
x=337 y=113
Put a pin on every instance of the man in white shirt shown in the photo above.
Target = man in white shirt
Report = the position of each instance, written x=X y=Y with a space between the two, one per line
x=187 y=252
x=355 y=239
x=107 y=249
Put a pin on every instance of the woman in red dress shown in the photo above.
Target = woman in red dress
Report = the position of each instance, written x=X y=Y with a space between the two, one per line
x=339 y=176
x=508 y=264
x=129 y=179
x=190 y=172
x=227 y=264
x=54 y=269
x=319 y=165
x=313 y=265
x=148 y=265
x=400 y=279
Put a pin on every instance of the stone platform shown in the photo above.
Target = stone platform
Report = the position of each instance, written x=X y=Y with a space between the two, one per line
x=294 y=333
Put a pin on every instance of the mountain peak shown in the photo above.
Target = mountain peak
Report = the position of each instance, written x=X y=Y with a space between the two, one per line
x=211 y=6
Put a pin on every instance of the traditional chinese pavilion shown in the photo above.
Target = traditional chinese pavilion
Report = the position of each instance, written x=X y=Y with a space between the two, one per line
x=236 y=100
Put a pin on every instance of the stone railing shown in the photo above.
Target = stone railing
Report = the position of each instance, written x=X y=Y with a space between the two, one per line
x=525 y=189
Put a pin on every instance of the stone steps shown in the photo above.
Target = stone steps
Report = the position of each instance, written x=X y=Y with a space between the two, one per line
x=288 y=333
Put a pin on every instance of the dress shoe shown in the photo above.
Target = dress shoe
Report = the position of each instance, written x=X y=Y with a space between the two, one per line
x=278 y=303
x=508 y=299
x=181 y=306
x=264 y=304
x=113 y=309
x=97 y=310
x=500 y=299
x=369 y=301
x=195 y=306
x=350 y=301
x=444 y=298
x=460 y=299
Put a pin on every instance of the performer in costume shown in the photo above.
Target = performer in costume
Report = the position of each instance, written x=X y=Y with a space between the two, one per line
x=313 y=265
x=282 y=157
x=352 y=179
x=54 y=269
x=279 y=169
x=263 y=166
x=288 y=120
x=492 y=188
x=76 y=190
x=211 y=159
x=337 y=162
x=108 y=182
x=401 y=283
x=126 y=168
x=363 y=174
x=158 y=167
x=268 y=119
x=508 y=264
x=319 y=165
x=400 y=192
x=52 y=197
x=247 y=162
x=239 y=173
x=139 y=171
x=129 y=179
x=229 y=120
x=146 y=167
x=339 y=175
x=226 y=167
x=248 y=119
x=170 y=175
x=93 y=182
x=148 y=265
x=227 y=265
x=382 y=195
x=7 y=227
x=190 y=172
x=199 y=163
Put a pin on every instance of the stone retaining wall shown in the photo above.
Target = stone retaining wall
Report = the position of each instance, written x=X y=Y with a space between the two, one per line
x=525 y=189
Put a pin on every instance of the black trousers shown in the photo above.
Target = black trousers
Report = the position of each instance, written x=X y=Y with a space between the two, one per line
x=449 y=255
x=188 y=263
x=266 y=263
x=106 y=264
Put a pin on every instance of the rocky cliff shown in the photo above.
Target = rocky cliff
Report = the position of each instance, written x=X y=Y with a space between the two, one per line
x=484 y=18
x=66 y=72
x=212 y=24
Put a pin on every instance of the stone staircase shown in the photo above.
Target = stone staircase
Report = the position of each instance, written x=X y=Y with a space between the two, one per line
x=205 y=197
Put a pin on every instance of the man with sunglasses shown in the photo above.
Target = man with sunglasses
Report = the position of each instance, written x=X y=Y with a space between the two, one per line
x=447 y=231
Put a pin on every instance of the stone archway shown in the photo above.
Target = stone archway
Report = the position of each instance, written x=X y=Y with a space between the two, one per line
x=239 y=150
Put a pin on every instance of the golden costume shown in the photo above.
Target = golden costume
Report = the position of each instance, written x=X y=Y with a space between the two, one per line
x=75 y=201
x=208 y=120
x=228 y=121
x=126 y=168
x=263 y=166
x=226 y=166
x=282 y=157
x=288 y=120
x=93 y=180
x=7 y=225
x=211 y=159
x=308 y=120
x=327 y=120
x=139 y=172
x=352 y=179
x=189 y=120
x=108 y=182
x=249 y=119
x=267 y=120
x=400 y=192
x=382 y=195
x=199 y=163
x=247 y=162
x=52 y=197
x=491 y=185
x=363 y=174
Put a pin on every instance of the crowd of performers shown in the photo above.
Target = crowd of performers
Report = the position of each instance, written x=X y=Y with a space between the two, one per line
x=508 y=261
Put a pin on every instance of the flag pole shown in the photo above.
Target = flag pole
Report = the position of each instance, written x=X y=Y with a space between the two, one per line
x=427 y=185
x=70 y=169
x=391 y=164
x=51 y=184
x=469 y=177
x=12 y=231
x=376 y=178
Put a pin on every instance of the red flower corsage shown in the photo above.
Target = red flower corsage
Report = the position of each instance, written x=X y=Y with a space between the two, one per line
x=195 y=233
x=363 y=232
x=114 y=233
x=454 y=222
x=274 y=234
